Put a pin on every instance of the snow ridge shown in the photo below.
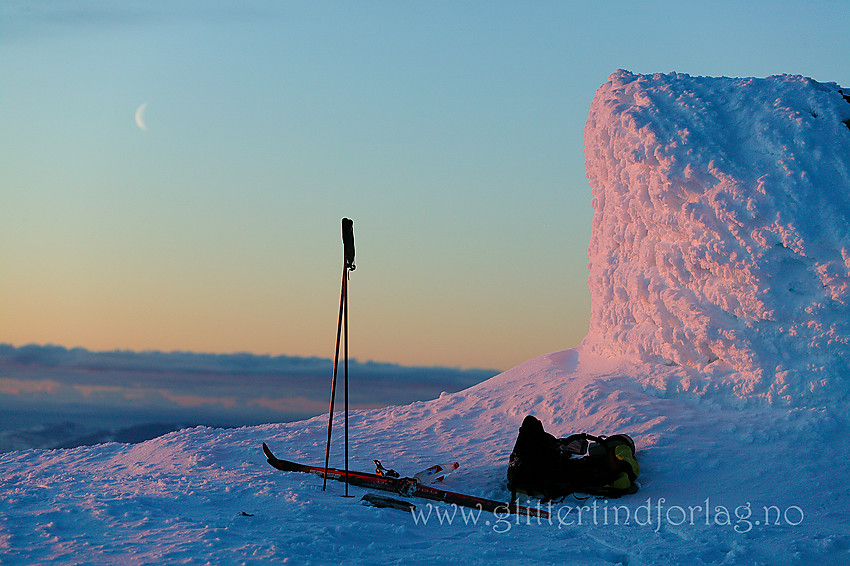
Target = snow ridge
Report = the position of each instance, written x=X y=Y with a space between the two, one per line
x=720 y=236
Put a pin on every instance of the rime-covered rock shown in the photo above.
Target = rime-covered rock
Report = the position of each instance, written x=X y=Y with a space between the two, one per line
x=721 y=230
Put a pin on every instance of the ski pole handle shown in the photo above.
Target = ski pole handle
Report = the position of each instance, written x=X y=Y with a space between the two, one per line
x=348 y=242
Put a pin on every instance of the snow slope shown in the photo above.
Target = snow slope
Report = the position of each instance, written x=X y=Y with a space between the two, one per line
x=180 y=498
x=742 y=462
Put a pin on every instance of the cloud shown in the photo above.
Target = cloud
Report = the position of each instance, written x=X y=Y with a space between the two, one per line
x=52 y=384
x=97 y=367
x=9 y=386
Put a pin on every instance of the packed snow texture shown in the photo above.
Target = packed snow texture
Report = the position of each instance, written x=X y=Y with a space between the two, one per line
x=721 y=231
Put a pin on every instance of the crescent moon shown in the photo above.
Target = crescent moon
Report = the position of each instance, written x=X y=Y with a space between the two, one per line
x=140 y=117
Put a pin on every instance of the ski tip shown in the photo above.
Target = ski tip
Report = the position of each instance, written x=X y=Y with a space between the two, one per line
x=283 y=465
x=267 y=451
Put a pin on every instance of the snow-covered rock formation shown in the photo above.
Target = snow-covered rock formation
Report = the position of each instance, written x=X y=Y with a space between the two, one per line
x=721 y=232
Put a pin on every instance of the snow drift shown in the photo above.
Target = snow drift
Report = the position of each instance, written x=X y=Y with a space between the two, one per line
x=720 y=235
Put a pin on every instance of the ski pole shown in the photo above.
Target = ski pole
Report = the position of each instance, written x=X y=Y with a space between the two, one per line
x=348 y=253
x=345 y=332
x=333 y=380
x=348 y=264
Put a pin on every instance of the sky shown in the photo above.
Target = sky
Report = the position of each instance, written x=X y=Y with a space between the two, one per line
x=450 y=132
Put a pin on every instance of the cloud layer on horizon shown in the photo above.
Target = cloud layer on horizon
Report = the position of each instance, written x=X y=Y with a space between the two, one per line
x=43 y=386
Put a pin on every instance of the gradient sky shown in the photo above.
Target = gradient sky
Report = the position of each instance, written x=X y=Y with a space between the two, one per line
x=450 y=132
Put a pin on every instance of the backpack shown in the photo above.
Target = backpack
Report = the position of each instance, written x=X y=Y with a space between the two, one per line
x=550 y=468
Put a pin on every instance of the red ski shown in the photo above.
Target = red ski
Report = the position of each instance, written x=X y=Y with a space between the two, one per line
x=408 y=487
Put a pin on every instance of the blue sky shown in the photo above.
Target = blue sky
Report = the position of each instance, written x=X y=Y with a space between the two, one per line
x=451 y=133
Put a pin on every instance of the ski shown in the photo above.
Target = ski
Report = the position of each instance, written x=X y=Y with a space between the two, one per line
x=436 y=473
x=404 y=486
x=378 y=500
x=433 y=474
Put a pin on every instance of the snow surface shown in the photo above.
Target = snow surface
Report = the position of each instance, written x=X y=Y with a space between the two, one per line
x=736 y=468
x=180 y=498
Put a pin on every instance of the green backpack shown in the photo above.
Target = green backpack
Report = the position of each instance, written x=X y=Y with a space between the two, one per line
x=552 y=468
